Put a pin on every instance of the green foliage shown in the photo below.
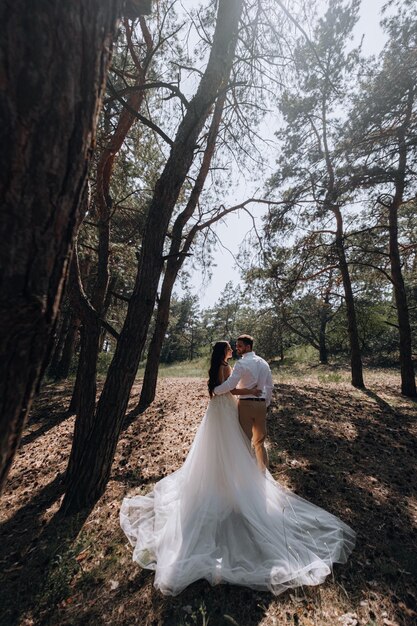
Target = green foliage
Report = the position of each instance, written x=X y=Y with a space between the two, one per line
x=183 y=336
x=222 y=322
x=338 y=139
x=333 y=377
x=186 y=369
x=294 y=293
x=301 y=354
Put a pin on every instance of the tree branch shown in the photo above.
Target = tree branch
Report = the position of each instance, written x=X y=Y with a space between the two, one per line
x=138 y=116
x=153 y=85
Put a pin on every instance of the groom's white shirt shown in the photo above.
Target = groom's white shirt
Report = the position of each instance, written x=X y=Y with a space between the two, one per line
x=250 y=371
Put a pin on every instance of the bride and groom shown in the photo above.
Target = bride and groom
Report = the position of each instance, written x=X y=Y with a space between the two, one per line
x=222 y=516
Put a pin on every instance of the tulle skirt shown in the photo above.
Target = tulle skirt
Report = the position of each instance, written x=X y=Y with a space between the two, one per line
x=220 y=518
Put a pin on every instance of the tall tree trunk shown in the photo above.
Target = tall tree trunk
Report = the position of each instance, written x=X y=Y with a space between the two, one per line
x=175 y=261
x=324 y=319
x=330 y=200
x=323 y=352
x=59 y=344
x=74 y=404
x=355 y=351
x=150 y=377
x=83 y=400
x=85 y=389
x=93 y=471
x=192 y=344
x=50 y=93
x=408 y=382
x=84 y=394
x=63 y=367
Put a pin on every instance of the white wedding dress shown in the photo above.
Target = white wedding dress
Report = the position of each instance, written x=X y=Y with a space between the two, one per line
x=220 y=518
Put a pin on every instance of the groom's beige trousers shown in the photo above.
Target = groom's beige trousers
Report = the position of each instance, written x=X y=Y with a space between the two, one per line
x=252 y=418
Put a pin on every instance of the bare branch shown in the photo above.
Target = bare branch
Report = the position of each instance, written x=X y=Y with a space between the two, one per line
x=138 y=116
x=375 y=267
x=152 y=85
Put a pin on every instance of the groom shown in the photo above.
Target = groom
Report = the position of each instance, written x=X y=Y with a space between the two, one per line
x=251 y=372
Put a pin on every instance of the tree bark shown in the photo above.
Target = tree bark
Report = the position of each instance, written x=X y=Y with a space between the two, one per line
x=408 y=382
x=330 y=201
x=150 y=378
x=355 y=351
x=85 y=388
x=323 y=352
x=324 y=319
x=85 y=393
x=63 y=366
x=74 y=405
x=63 y=324
x=54 y=63
x=93 y=470
x=175 y=262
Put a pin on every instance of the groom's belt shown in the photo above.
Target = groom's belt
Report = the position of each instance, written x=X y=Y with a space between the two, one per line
x=252 y=399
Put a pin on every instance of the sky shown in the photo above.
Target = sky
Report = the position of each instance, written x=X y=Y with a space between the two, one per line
x=232 y=232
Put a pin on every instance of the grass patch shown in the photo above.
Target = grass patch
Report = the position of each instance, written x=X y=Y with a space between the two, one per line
x=63 y=568
x=57 y=582
x=301 y=355
x=197 y=368
x=330 y=377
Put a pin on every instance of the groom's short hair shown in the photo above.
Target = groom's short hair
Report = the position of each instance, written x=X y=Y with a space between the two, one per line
x=246 y=339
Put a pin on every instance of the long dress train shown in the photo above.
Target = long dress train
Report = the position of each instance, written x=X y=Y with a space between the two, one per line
x=220 y=518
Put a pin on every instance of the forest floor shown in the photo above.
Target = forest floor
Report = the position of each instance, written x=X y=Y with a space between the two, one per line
x=352 y=452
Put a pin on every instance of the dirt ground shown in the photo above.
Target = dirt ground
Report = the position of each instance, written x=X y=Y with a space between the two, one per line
x=352 y=452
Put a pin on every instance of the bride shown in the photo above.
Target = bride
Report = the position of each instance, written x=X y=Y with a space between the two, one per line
x=221 y=518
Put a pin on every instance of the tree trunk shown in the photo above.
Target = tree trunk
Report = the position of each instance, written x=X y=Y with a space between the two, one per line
x=175 y=262
x=74 y=405
x=281 y=349
x=323 y=353
x=192 y=344
x=50 y=93
x=85 y=400
x=355 y=351
x=150 y=377
x=84 y=393
x=408 y=382
x=324 y=319
x=59 y=344
x=63 y=366
x=93 y=470
x=85 y=388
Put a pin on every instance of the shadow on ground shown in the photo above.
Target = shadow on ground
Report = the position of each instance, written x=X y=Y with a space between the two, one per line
x=354 y=454
x=351 y=452
x=29 y=548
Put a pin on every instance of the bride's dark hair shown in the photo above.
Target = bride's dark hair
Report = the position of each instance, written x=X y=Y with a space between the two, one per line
x=217 y=358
